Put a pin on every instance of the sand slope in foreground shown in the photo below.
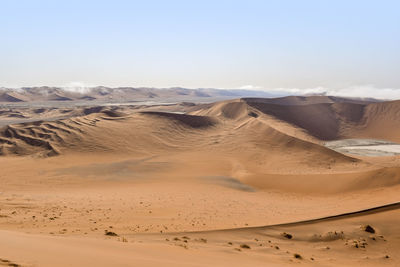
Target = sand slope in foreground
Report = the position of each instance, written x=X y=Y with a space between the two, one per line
x=325 y=242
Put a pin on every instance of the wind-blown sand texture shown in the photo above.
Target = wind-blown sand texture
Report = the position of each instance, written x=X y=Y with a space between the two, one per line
x=244 y=182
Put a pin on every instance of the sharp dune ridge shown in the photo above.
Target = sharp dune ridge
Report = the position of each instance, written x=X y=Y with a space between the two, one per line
x=236 y=182
x=359 y=213
x=365 y=212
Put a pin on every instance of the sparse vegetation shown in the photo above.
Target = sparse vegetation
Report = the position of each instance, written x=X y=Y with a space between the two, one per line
x=109 y=233
x=297 y=256
x=245 y=246
x=368 y=228
x=286 y=235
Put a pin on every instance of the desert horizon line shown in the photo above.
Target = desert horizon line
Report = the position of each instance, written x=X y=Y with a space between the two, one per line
x=357 y=91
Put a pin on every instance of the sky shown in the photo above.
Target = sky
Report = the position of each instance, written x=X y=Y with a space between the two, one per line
x=298 y=46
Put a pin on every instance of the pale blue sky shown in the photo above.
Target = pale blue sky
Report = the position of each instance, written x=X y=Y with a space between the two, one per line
x=222 y=44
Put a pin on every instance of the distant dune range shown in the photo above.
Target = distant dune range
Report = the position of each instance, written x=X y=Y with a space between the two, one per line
x=120 y=94
x=202 y=179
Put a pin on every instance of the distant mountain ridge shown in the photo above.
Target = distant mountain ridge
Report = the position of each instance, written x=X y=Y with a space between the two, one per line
x=312 y=99
x=125 y=94
x=131 y=94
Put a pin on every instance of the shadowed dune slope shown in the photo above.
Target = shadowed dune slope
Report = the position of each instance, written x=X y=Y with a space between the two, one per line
x=340 y=120
x=319 y=120
x=189 y=120
x=11 y=97
x=380 y=121
x=322 y=121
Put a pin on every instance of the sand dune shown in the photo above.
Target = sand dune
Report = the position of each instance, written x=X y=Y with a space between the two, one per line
x=322 y=121
x=140 y=133
x=11 y=97
x=225 y=183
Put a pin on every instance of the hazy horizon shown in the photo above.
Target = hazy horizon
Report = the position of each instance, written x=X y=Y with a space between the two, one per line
x=303 y=47
x=354 y=91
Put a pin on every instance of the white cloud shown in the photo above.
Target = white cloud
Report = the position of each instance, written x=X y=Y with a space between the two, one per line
x=367 y=91
x=250 y=87
x=362 y=91
x=77 y=87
